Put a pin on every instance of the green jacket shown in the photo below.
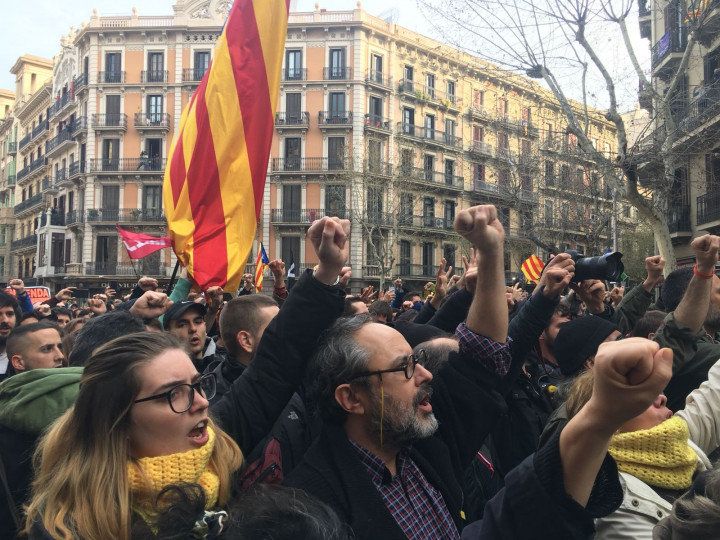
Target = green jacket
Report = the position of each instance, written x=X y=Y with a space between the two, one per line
x=694 y=353
x=631 y=309
x=32 y=400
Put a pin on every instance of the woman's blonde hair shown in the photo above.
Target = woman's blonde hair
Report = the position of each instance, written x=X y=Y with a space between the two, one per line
x=580 y=392
x=81 y=487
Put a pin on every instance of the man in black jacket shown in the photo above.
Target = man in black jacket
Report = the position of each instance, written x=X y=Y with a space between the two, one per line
x=388 y=461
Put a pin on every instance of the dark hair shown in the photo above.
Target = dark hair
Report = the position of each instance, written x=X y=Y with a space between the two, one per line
x=261 y=513
x=436 y=352
x=7 y=299
x=99 y=330
x=411 y=294
x=648 y=323
x=676 y=283
x=380 y=307
x=17 y=339
x=54 y=312
x=562 y=309
x=68 y=342
x=348 y=310
x=338 y=357
x=31 y=315
x=242 y=313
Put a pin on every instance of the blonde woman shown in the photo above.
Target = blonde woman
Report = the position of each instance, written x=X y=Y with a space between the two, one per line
x=657 y=454
x=141 y=421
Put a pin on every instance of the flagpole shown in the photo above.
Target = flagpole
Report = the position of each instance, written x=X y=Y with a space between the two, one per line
x=137 y=275
x=172 y=278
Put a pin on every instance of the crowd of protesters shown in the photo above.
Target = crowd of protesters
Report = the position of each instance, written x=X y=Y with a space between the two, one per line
x=468 y=409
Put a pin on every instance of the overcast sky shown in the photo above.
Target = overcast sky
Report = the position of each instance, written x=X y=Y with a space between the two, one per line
x=35 y=27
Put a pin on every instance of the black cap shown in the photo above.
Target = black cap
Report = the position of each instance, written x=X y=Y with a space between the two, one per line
x=178 y=308
x=578 y=340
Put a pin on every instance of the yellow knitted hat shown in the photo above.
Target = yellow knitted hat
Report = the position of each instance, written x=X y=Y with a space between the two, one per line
x=658 y=456
x=148 y=476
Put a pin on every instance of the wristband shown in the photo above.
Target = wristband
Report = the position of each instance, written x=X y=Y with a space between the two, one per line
x=278 y=288
x=337 y=279
x=700 y=274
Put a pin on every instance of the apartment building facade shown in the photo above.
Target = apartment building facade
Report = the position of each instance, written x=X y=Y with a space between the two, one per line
x=398 y=132
x=376 y=123
x=695 y=202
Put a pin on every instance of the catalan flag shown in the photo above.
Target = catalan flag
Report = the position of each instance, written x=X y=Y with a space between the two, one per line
x=260 y=266
x=215 y=176
x=532 y=268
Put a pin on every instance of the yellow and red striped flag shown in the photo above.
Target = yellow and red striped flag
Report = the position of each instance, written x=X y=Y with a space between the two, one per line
x=260 y=266
x=532 y=268
x=215 y=176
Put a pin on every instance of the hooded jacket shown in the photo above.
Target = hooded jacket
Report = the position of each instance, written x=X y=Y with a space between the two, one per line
x=29 y=403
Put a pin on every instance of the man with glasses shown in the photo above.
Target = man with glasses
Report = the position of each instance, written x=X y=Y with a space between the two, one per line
x=387 y=457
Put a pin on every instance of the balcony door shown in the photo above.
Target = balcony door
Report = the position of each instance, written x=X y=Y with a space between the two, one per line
x=112 y=110
x=335 y=200
x=293 y=65
x=106 y=252
x=202 y=63
x=293 y=104
x=405 y=258
x=290 y=252
x=154 y=110
x=156 y=67
x=336 y=153
x=152 y=202
x=291 y=203
x=337 y=63
x=111 y=155
x=113 y=68
x=292 y=154
x=337 y=108
x=110 y=203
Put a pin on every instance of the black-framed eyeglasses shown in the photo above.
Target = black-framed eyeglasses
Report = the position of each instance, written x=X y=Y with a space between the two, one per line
x=408 y=366
x=181 y=397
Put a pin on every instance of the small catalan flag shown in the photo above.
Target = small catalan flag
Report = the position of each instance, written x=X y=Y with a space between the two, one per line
x=532 y=268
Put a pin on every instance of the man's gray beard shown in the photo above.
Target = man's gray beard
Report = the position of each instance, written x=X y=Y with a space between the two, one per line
x=401 y=425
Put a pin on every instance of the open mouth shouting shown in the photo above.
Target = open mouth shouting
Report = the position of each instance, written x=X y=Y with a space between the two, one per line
x=422 y=399
x=199 y=434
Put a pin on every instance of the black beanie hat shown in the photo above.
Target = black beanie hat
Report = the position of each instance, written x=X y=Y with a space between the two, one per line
x=578 y=340
x=415 y=334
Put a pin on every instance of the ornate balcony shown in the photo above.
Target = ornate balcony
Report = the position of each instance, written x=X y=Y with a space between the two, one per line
x=81 y=82
x=62 y=102
x=337 y=73
x=288 y=120
x=40 y=129
x=154 y=76
x=124 y=215
x=432 y=178
x=79 y=127
x=481 y=148
x=668 y=51
x=33 y=203
x=74 y=217
x=429 y=94
x=193 y=74
x=294 y=74
x=25 y=141
x=377 y=124
x=134 y=165
x=111 y=77
x=378 y=79
x=23 y=243
x=152 y=121
x=114 y=268
x=76 y=169
x=307 y=216
x=12 y=147
x=429 y=136
x=335 y=119
x=306 y=164
x=59 y=143
x=110 y=121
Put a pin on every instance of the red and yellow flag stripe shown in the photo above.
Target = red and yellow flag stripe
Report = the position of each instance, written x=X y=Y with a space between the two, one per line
x=215 y=176
x=532 y=268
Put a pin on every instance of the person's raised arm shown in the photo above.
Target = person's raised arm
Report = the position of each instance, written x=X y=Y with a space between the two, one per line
x=251 y=407
x=488 y=315
x=693 y=307
x=629 y=375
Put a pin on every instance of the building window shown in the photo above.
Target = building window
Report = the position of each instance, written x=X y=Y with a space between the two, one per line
x=449 y=172
x=375 y=117
x=335 y=200
x=337 y=64
x=451 y=91
x=409 y=73
x=565 y=177
x=375 y=156
x=428 y=211
x=409 y=121
x=478 y=172
x=290 y=252
x=152 y=199
x=156 y=67
x=430 y=85
x=337 y=106
x=293 y=161
x=429 y=126
x=374 y=202
x=429 y=167
x=293 y=65
x=407 y=161
x=376 y=71
x=291 y=202
x=154 y=110
x=449 y=217
x=336 y=153
x=202 y=63
x=428 y=258
x=549 y=173
x=293 y=113
x=405 y=258
x=113 y=68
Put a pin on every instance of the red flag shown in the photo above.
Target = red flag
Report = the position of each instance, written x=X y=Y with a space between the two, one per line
x=532 y=268
x=141 y=245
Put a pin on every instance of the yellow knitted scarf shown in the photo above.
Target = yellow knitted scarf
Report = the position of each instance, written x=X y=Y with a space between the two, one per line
x=148 y=476
x=658 y=456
